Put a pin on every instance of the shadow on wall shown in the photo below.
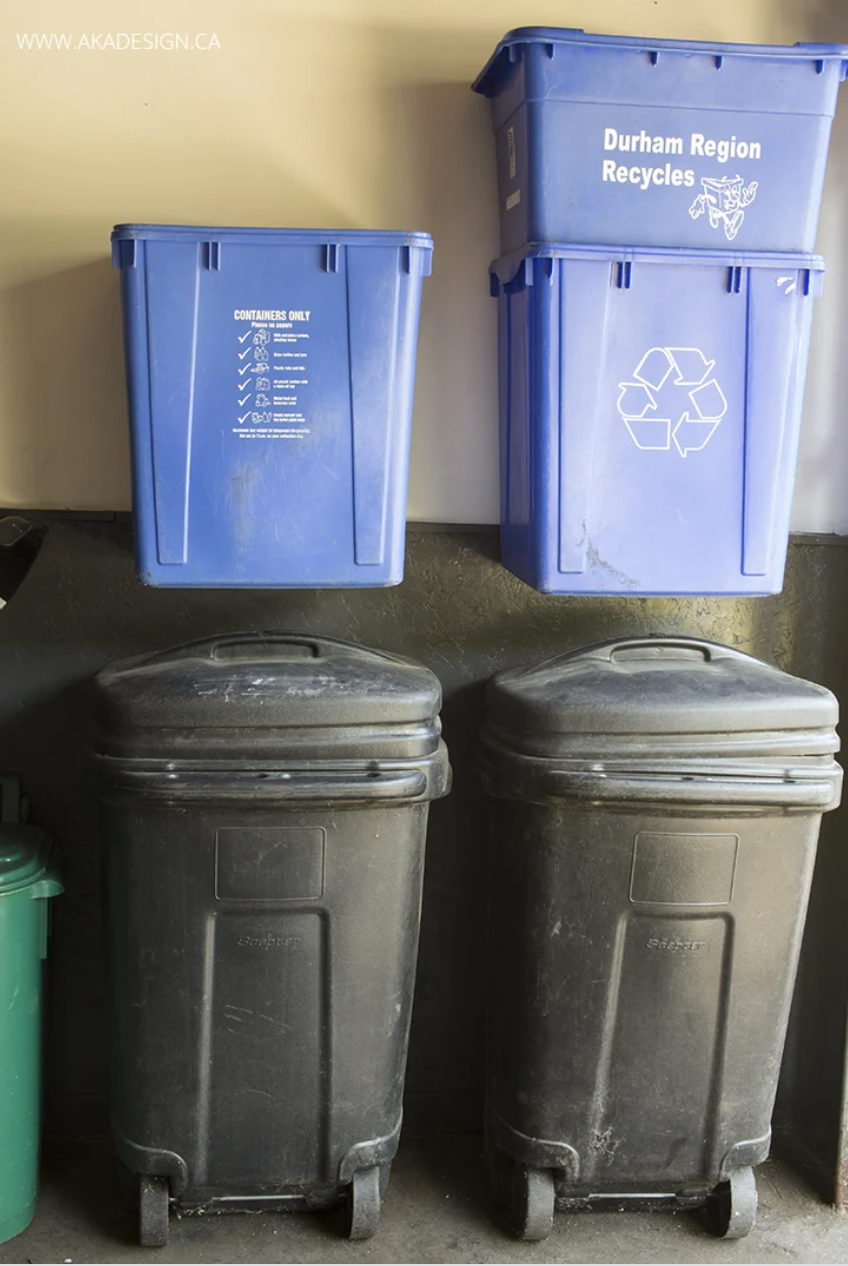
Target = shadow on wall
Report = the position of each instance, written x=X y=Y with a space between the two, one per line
x=812 y=1099
x=820 y=498
x=62 y=390
x=822 y=21
x=451 y=167
x=440 y=137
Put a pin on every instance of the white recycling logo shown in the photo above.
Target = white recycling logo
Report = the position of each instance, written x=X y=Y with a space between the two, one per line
x=673 y=381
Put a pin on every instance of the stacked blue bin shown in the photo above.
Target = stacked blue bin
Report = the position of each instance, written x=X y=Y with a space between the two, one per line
x=658 y=208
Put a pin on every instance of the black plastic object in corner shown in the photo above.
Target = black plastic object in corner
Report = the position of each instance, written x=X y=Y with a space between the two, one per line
x=20 y=541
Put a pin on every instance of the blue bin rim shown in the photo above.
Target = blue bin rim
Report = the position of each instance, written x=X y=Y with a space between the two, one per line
x=505 y=269
x=485 y=82
x=268 y=237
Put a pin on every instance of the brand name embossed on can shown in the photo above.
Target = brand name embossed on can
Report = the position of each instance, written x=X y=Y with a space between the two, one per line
x=269 y=942
x=674 y=944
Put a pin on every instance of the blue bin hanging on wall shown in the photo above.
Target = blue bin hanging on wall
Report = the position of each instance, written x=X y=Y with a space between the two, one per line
x=270 y=377
x=650 y=407
x=604 y=138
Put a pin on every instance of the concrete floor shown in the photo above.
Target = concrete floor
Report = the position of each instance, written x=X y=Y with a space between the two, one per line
x=437 y=1210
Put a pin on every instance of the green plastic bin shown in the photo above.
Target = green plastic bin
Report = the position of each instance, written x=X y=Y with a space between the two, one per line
x=30 y=873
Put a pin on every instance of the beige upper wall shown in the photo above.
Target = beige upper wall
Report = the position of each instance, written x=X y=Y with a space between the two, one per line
x=332 y=113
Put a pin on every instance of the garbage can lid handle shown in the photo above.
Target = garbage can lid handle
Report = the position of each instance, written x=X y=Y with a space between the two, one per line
x=663 y=648
x=246 y=645
x=243 y=645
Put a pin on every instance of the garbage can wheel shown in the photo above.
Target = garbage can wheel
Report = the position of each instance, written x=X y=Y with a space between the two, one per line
x=733 y=1205
x=153 y=1197
x=533 y=1201
x=363 y=1204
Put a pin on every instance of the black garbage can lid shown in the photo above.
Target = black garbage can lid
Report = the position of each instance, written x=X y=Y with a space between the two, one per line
x=642 y=691
x=267 y=695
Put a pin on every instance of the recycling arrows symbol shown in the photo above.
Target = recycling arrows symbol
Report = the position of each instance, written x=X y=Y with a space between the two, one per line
x=658 y=372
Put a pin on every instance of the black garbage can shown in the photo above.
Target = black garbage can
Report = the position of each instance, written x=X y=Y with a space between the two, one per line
x=264 y=809
x=654 y=834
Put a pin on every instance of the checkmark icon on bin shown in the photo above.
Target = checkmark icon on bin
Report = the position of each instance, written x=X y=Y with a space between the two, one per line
x=244 y=417
x=242 y=355
x=244 y=400
x=244 y=369
x=242 y=337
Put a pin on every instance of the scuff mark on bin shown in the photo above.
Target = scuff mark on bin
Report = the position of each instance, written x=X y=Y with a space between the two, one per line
x=278 y=1024
x=603 y=1143
x=243 y=489
x=602 y=565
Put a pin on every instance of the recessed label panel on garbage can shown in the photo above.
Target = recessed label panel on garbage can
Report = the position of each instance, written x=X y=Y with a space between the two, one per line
x=268 y=1042
x=269 y=863
x=683 y=870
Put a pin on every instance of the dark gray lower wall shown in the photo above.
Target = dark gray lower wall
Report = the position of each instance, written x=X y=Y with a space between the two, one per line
x=460 y=613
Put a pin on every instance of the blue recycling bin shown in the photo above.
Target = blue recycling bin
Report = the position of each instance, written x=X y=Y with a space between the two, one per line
x=650 y=406
x=604 y=138
x=270 y=378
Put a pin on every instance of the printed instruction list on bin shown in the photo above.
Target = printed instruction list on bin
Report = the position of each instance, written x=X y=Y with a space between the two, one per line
x=271 y=373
